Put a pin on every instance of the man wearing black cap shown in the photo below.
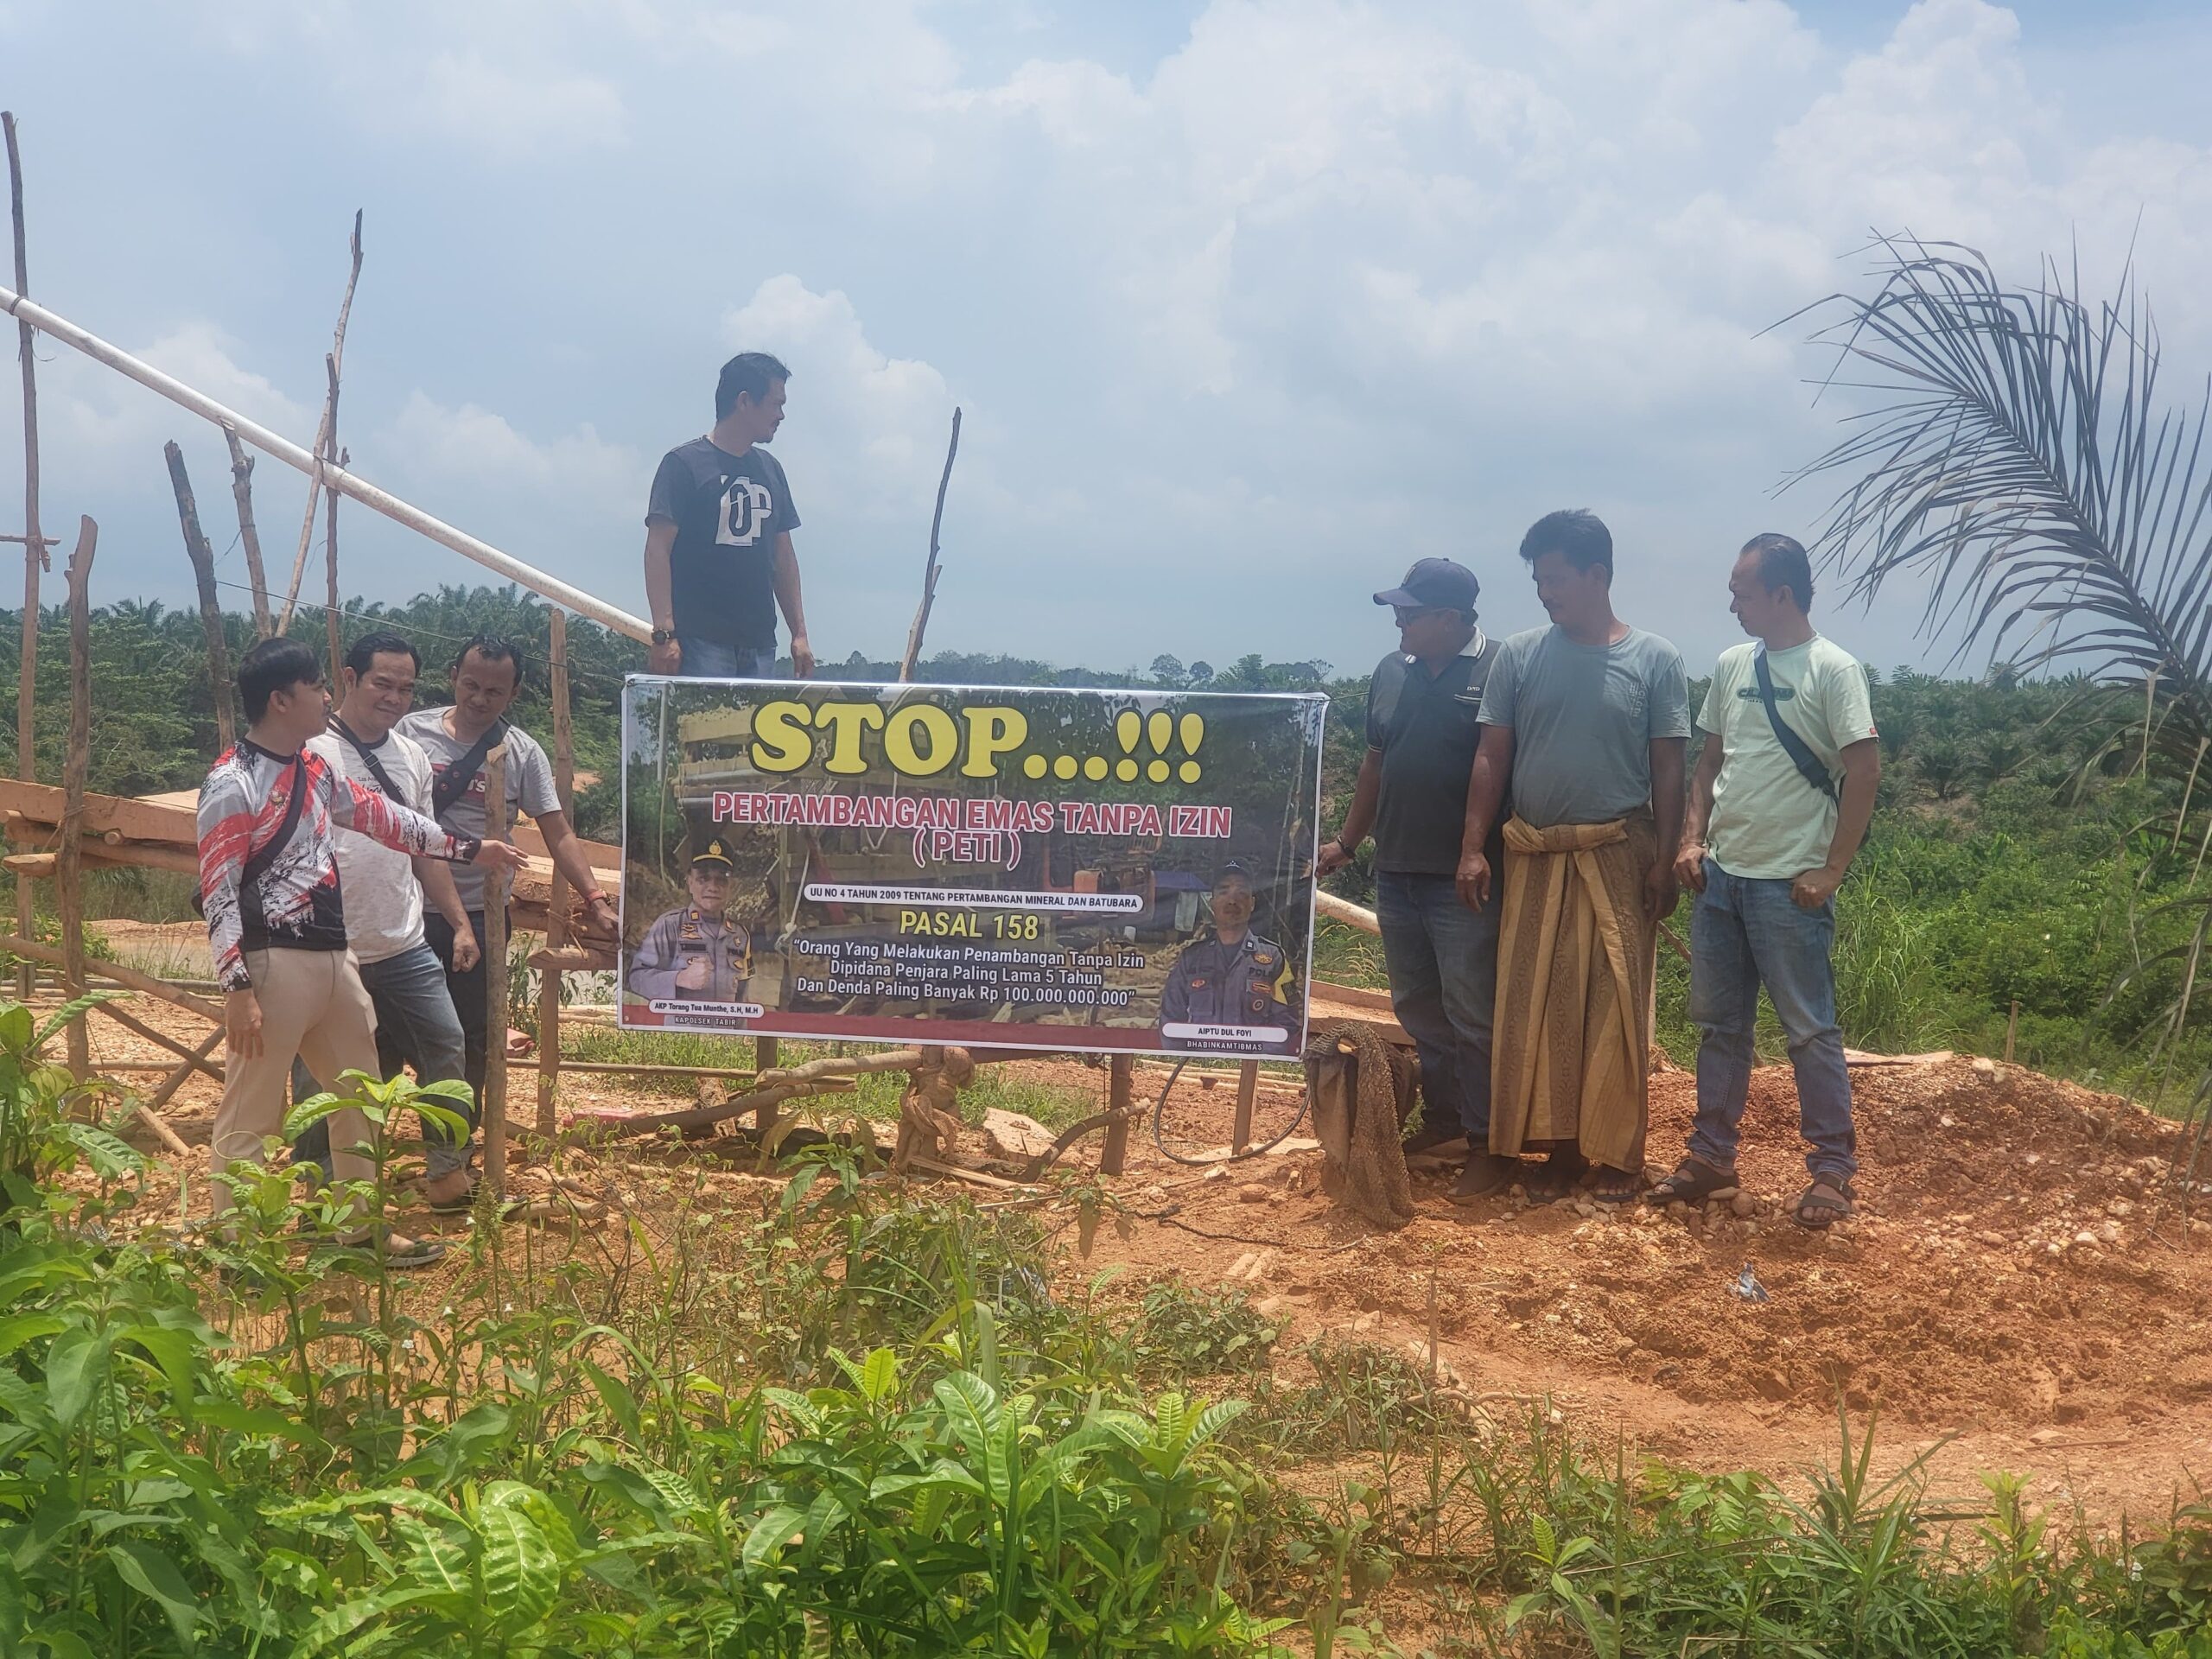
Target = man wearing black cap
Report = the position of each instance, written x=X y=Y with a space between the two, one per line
x=695 y=953
x=1422 y=730
x=1228 y=976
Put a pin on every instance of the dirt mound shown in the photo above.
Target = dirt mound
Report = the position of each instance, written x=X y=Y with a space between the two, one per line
x=2020 y=1270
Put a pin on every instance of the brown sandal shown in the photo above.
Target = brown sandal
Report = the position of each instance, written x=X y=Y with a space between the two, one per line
x=1692 y=1182
x=1824 y=1203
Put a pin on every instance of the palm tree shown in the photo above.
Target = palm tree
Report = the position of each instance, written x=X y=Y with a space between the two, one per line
x=2020 y=460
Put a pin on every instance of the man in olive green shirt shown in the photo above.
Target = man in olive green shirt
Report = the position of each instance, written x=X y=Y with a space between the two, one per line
x=1778 y=806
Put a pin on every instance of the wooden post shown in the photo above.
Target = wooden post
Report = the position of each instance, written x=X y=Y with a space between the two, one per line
x=494 y=1106
x=1115 y=1153
x=211 y=610
x=337 y=358
x=764 y=1059
x=35 y=545
x=556 y=892
x=249 y=533
x=331 y=620
x=1248 y=1085
x=2012 y=1030
x=70 y=878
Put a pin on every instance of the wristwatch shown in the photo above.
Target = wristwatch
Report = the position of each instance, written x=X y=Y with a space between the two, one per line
x=664 y=636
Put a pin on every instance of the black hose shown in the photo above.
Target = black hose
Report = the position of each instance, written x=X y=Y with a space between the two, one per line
x=1159 y=1114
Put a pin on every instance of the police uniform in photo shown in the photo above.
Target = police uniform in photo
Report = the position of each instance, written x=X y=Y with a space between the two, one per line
x=687 y=937
x=1215 y=983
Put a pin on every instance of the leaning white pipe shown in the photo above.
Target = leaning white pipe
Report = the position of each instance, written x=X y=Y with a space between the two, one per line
x=1343 y=909
x=334 y=477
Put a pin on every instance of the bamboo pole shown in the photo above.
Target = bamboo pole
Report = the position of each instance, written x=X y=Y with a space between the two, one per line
x=130 y=978
x=494 y=1103
x=249 y=533
x=35 y=543
x=317 y=477
x=210 y=609
x=69 y=883
x=58 y=328
x=930 y=565
x=556 y=892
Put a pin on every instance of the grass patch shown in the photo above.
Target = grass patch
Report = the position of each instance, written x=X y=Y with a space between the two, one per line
x=839 y=1418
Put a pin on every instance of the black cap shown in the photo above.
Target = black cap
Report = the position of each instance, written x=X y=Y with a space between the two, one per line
x=1235 y=866
x=715 y=856
x=1438 y=582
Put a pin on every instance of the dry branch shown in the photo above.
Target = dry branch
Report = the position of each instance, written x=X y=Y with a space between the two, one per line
x=203 y=573
x=69 y=878
x=322 y=452
x=494 y=1103
x=138 y=1027
x=249 y=533
x=930 y=567
x=35 y=543
x=129 y=978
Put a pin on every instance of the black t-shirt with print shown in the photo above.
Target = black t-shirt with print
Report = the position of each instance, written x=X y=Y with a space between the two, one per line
x=1425 y=729
x=727 y=511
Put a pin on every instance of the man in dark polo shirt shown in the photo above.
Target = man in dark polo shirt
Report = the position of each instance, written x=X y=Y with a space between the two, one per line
x=1423 y=729
x=718 y=538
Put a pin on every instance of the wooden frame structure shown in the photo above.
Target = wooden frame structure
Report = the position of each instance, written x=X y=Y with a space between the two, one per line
x=58 y=832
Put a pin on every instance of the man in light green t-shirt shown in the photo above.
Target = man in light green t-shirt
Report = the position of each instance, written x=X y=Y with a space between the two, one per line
x=1778 y=808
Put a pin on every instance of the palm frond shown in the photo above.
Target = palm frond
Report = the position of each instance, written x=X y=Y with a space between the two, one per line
x=2019 y=461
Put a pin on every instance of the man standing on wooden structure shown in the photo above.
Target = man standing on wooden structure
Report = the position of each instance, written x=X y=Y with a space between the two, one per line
x=1423 y=704
x=1782 y=795
x=384 y=893
x=718 y=539
x=486 y=677
x=1587 y=720
x=268 y=884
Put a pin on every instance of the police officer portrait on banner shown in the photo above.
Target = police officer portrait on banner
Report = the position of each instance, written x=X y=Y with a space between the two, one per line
x=697 y=952
x=1230 y=976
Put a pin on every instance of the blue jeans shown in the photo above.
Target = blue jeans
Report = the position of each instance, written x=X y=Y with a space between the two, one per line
x=710 y=659
x=1443 y=962
x=416 y=1025
x=1746 y=933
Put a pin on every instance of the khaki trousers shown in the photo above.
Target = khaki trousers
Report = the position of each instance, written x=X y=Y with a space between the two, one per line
x=312 y=1005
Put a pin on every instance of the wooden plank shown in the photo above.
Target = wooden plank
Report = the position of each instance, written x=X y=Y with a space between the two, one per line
x=1248 y=1085
x=149 y=820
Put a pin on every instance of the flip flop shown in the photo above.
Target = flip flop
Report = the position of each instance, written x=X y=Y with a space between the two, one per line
x=410 y=1257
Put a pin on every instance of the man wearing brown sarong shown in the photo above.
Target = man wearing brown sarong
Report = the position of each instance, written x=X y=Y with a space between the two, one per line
x=1586 y=721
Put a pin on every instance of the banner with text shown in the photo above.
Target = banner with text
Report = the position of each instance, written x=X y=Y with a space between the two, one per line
x=1114 y=871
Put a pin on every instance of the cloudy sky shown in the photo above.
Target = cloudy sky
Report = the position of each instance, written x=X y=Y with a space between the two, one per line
x=1247 y=304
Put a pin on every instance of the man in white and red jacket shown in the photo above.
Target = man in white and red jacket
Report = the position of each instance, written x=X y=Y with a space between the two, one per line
x=275 y=914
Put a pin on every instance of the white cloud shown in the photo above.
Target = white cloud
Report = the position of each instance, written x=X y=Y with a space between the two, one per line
x=869 y=427
x=1235 y=315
